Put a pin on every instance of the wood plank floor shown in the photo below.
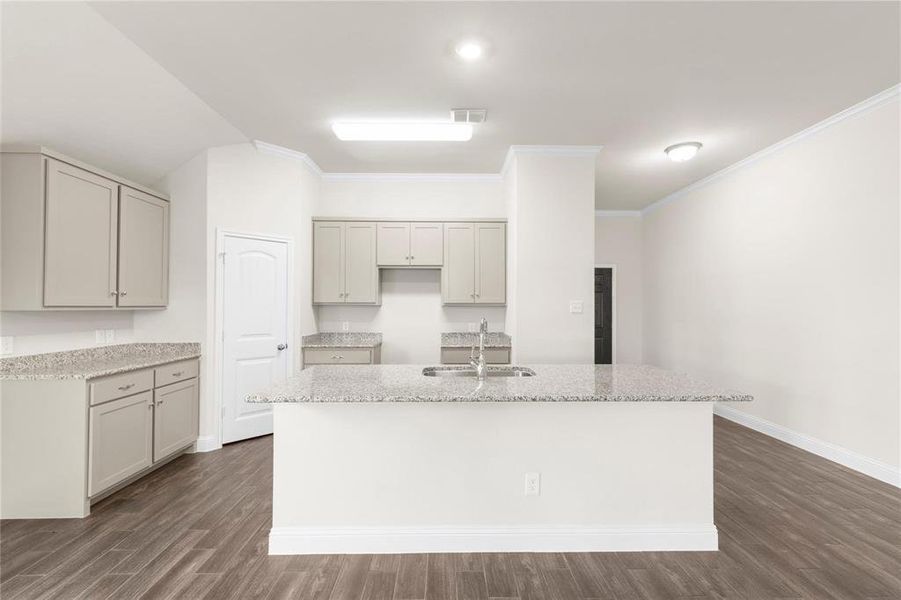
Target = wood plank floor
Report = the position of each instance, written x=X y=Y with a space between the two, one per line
x=791 y=525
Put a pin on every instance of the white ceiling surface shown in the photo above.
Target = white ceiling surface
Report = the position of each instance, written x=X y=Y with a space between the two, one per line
x=75 y=83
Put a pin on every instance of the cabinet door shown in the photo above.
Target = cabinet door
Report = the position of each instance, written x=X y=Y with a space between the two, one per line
x=121 y=435
x=79 y=238
x=174 y=418
x=393 y=244
x=143 y=249
x=361 y=279
x=328 y=262
x=491 y=263
x=458 y=274
x=427 y=244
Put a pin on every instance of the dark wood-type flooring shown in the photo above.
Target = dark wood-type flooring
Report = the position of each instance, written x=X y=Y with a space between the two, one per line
x=791 y=525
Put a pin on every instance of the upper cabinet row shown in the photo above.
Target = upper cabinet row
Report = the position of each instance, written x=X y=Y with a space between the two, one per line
x=347 y=256
x=73 y=238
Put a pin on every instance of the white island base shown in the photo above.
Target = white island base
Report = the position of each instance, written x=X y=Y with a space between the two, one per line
x=409 y=477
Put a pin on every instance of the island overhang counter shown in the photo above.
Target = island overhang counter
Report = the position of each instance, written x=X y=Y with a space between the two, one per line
x=381 y=459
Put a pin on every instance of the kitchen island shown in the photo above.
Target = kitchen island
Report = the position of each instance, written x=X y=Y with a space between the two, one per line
x=381 y=459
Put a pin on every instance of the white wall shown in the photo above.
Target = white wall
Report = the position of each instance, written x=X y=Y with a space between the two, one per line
x=37 y=332
x=554 y=256
x=617 y=241
x=411 y=317
x=781 y=278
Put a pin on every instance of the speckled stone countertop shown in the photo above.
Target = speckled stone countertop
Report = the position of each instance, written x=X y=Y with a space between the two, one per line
x=462 y=339
x=342 y=339
x=88 y=363
x=552 y=383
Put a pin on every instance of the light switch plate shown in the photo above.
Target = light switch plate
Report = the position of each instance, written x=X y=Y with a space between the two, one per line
x=345 y=325
x=533 y=484
x=6 y=344
x=575 y=307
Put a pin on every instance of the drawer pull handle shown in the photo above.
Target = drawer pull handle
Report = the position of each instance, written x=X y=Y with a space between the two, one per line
x=126 y=387
x=178 y=374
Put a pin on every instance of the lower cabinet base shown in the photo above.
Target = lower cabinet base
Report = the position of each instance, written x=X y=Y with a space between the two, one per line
x=128 y=481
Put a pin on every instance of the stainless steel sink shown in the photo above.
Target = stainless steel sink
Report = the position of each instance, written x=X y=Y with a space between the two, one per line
x=491 y=371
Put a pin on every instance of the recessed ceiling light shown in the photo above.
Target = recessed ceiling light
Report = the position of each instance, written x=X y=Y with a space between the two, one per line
x=469 y=50
x=402 y=131
x=684 y=151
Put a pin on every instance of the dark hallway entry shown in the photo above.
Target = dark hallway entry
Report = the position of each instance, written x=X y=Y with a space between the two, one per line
x=603 y=316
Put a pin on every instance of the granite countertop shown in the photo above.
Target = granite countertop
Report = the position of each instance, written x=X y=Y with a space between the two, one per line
x=462 y=339
x=342 y=339
x=88 y=363
x=552 y=383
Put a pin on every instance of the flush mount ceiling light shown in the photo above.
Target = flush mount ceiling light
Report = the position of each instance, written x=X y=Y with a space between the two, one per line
x=402 y=131
x=469 y=50
x=684 y=151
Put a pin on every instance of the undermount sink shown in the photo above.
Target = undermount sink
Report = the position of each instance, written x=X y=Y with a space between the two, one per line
x=490 y=371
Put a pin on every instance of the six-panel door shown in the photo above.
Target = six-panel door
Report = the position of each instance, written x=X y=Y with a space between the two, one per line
x=175 y=417
x=121 y=440
x=143 y=249
x=79 y=238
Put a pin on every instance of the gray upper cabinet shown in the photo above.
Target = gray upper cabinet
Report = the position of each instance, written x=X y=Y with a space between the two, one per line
x=410 y=244
x=475 y=263
x=76 y=237
x=345 y=268
x=80 y=238
x=458 y=274
x=143 y=249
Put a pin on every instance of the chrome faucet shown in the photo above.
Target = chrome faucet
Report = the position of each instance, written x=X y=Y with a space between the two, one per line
x=478 y=363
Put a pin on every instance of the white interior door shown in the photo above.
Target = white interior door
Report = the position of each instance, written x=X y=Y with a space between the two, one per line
x=255 y=337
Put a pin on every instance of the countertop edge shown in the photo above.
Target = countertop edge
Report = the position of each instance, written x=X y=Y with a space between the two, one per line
x=101 y=372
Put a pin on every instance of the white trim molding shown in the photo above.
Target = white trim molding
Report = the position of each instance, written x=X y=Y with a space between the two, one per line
x=402 y=540
x=617 y=213
x=274 y=150
x=848 y=458
x=861 y=107
x=414 y=177
x=207 y=443
x=558 y=150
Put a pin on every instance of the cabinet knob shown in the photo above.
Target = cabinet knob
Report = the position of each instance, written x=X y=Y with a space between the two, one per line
x=113 y=293
x=159 y=402
x=150 y=406
x=281 y=346
x=123 y=293
x=412 y=257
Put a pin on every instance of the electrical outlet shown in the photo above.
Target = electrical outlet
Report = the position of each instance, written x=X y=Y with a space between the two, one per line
x=6 y=344
x=575 y=307
x=533 y=484
x=345 y=325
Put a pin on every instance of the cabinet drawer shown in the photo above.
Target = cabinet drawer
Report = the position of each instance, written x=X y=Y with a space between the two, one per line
x=337 y=356
x=173 y=372
x=460 y=356
x=119 y=386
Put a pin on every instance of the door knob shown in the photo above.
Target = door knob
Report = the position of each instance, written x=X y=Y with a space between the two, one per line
x=282 y=346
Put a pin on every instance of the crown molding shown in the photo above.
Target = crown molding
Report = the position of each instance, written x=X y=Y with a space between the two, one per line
x=274 y=150
x=414 y=177
x=617 y=213
x=557 y=150
x=861 y=107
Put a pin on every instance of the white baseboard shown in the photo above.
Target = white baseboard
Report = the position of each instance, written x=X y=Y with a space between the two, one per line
x=206 y=443
x=396 y=540
x=848 y=458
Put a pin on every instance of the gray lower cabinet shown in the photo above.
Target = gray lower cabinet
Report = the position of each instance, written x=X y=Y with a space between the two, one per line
x=174 y=418
x=121 y=440
x=342 y=356
x=460 y=356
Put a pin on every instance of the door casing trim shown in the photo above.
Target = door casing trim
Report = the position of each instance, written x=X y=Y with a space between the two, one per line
x=219 y=316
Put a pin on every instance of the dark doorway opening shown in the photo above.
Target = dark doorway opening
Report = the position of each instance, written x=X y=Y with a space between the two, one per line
x=603 y=316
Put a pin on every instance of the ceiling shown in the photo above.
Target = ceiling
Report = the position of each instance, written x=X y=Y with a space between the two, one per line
x=633 y=77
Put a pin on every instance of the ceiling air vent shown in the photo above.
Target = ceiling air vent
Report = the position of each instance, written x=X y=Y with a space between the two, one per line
x=468 y=115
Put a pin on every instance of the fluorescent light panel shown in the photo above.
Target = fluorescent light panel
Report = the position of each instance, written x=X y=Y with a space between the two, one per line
x=402 y=131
